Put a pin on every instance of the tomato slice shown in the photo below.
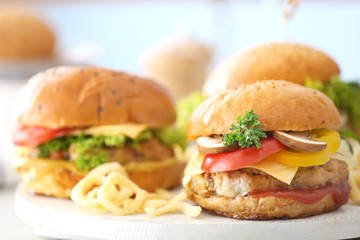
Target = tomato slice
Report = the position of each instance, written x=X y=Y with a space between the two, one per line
x=241 y=157
x=33 y=136
x=340 y=192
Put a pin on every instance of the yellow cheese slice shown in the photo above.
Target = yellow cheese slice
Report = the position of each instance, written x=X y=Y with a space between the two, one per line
x=130 y=130
x=283 y=172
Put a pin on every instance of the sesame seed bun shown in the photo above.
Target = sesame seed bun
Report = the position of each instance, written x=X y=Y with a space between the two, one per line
x=91 y=96
x=280 y=105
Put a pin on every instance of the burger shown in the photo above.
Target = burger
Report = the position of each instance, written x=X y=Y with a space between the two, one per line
x=70 y=120
x=293 y=62
x=23 y=35
x=265 y=151
x=296 y=63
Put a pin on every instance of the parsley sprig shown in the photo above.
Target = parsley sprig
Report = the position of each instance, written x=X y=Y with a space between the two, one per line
x=247 y=133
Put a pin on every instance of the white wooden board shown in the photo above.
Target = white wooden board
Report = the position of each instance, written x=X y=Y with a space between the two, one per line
x=60 y=218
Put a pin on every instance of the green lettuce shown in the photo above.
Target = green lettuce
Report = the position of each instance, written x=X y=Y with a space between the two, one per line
x=171 y=136
x=185 y=107
x=57 y=144
x=177 y=134
x=89 y=149
x=349 y=133
x=346 y=96
x=89 y=152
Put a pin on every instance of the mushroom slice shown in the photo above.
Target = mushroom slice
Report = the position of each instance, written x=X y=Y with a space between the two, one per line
x=211 y=145
x=299 y=141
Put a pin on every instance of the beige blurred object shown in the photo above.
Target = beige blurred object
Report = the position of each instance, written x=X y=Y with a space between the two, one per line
x=179 y=64
x=23 y=35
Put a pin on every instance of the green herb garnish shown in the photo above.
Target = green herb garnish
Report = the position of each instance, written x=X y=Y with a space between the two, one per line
x=247 y=133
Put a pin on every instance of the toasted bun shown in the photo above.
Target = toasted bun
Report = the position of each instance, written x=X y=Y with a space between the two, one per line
x=23 y=35
x=280 y=105
x=166 y=177
x=90 y=96
x=58 y=182
x=264 y=207
x=292 y=62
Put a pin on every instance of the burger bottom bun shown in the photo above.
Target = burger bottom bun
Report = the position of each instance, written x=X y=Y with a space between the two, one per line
x=58 y=182
x=54 y=182
x=165 y=177
x=263 y=207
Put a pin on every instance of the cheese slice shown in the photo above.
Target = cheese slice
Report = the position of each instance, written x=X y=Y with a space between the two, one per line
x=283 y=172
x=130 y=130
x=19 y=163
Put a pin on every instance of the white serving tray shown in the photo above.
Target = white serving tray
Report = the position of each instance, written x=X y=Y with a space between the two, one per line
x=62 y=219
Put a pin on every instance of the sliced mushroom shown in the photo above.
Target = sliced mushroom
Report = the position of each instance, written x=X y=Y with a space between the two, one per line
x=299 y=141
x=211 y=145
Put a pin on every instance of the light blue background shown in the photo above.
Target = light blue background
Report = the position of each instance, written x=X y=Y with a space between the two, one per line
x=124 y=29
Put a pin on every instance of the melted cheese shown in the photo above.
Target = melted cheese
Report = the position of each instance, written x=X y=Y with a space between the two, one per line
x=19 y=163
x=24 y=162
x=130 y=130
x=283 y=172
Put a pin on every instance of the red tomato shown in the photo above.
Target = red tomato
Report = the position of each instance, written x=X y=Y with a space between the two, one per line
x=33 y=136
x=340 y=192
x=241 y=157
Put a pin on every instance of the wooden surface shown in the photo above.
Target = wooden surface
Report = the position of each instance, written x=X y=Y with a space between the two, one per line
x=59 y=218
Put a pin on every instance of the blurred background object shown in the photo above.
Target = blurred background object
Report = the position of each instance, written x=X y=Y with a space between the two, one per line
x=122 y=35
x=180 y=64
x=23 y=35
x=28 y=43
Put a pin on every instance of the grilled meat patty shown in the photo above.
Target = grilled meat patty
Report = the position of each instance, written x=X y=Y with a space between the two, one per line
x=247 y=180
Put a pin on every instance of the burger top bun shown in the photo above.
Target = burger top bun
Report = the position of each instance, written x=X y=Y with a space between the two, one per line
x=292 y=62
x=90 y=96
x=23 y=35
x=280 y=105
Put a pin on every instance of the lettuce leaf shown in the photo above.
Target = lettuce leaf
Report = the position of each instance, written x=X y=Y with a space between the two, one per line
x=57 y=144
x=89 y=152
x=346 y=96
x=171 y=136
x=185 y=107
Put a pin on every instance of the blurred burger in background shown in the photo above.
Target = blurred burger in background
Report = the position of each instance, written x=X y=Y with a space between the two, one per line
x=296 y=63
x=72 y=119
x=303 y=65
x=180 y=64
x=23 y=35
